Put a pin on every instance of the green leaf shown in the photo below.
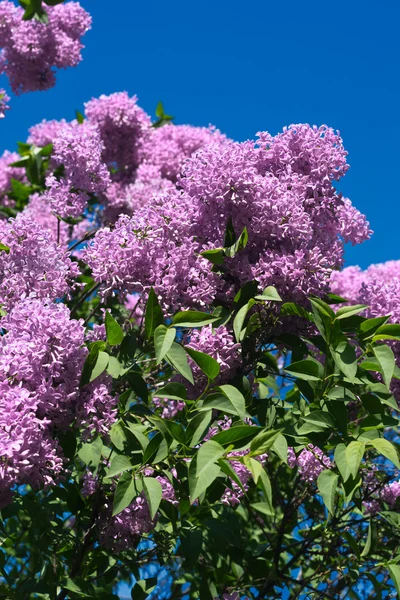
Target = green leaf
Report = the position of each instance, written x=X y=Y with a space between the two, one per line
x=240 y=317
x=308 y=369
x=345 y=358
x=264 y=441
x=327 y=484
x=138 y=385
x=78 y=115
x=152 y=447
x=254 y=466
x=348 y=311
x=172 y=391
x=227 y=468
x=193 y=318
x=368 y=543
x=290 y=308
x=203 y=469
x=119 y=464
x=387 y=449
x=354 y=453
x=177 y=357
x=197 y=427
x=394 y=571
x=90 y=453
x=153 y=316
x=340 y=460
x=236 y=434
x=160 y=110
x=391 y=331
x=100 y=365
x=236 y=399
x=368 y=328
x=241 y=243
x=207 y=363
x=230 y=235
x=114 y=331
x=114 y=367
x=163 y=340
x=90 y=362
x=263 y=507
x=215 y=256
x=280 y=447
x=153 y=491
x=4 y=248
x=124 y=494
x=270 y=294
x=385 y=357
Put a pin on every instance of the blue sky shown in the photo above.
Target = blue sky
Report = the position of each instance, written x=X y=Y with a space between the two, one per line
x=250 y=66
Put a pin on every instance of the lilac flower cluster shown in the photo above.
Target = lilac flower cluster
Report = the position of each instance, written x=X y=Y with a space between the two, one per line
x=310 y=462
x=122 y=125
x=123 y=531
x=378 y=287
x=77 y=149
x=41 y=359
x=168 y=147
x=4 y=98
x=7 y=174
x=34 y=263
x=32 y=49
x=280 y=188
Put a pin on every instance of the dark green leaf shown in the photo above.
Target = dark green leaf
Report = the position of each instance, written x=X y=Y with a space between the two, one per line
x=193 y=318
x=153 y=316
x=163 y=340
x=124 y=494
x=177 y=356
x=308 y=369
x=327 y=484
x=114 y=332
x=207 y=363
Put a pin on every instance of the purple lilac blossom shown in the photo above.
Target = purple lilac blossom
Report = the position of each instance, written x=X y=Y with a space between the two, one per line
x=31 y=49
x=122 y=125
x=124 y=530
x=34 y=264
x=169 y=146
x=280 y=188
x=78 y=149
x=310 y=462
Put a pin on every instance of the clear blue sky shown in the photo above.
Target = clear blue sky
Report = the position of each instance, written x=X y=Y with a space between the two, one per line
x=250 y=66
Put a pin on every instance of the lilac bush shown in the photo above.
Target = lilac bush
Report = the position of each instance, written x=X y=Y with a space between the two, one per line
x=188 y=381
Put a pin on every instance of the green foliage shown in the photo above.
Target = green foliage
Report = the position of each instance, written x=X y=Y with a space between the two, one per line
x=328 y=389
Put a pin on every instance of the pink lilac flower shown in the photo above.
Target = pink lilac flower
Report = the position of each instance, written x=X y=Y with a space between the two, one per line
x=7 y=173
x=122 y=125
x=4 y=98
x=152 y=248
x=31 y=49
x=391 y=492
x=39 y=211
x=169 y=146
x=28 y=454
x=90 y=484
x=34 y=264
x=310 y=462
x=280 y=188
x=45 y=132
x=43 y=350
x=233 y=495
x=78 y=149
x=123 y=197
x=123 y=531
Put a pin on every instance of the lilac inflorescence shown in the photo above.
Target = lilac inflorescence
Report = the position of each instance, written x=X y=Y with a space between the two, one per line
x=32 y=49
x=310 y=462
